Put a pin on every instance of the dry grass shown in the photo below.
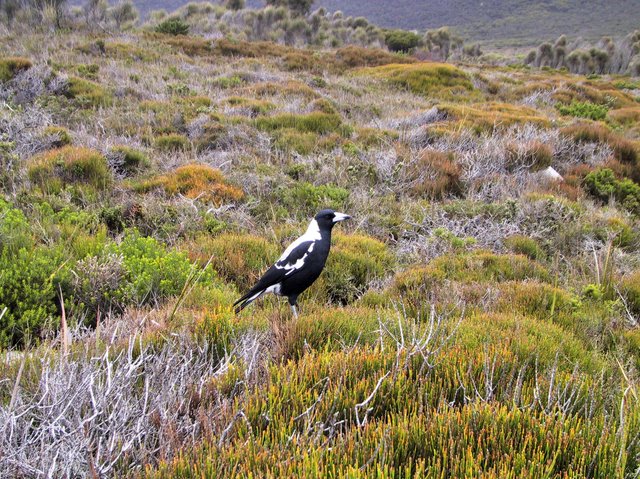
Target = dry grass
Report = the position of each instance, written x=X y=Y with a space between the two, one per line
x=437 y=80
x=487 y=117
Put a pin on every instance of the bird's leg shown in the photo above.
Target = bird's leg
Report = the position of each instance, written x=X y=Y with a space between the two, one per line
x=295 y=311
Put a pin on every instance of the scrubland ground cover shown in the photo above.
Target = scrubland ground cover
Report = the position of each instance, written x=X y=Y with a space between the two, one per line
x=477 y=318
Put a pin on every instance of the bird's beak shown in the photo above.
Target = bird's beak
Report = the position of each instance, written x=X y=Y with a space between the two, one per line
x=340 y=217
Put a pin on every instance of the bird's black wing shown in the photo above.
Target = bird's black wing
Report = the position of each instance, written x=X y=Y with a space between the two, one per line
x=291 y=261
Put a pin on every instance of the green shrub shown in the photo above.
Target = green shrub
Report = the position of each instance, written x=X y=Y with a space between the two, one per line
x=54 y=169
x=136 y=271
x=330 y=329
x=527 y=338
x=151 y=272
x=89 y=71
x=632 y=343
x=87 y=93
x=171 y=142
x=256 y=107
x=226 y=82
x=307 y=199
x=426 y=79
x=28 y=291
x=315 y=122
x=417 y=283
x=173 y=26
x=132 y=161
x=620 y=229
x=525 y=245
x=484 y=266
x=58 y=135
x=355 y=261
x=289 y=139
x=453 y=241
x=401 y=40
x=584 y=109
x=541 y=301
x=603 y=184
x=11 y=66
x=15 y=232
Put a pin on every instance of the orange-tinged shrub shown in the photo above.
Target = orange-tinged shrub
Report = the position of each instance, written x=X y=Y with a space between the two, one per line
x=435 y=175
x=626 y=116
x=196 y=181
x=489 y=116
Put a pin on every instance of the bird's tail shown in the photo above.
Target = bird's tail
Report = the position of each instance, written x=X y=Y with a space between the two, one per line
x=247 y=299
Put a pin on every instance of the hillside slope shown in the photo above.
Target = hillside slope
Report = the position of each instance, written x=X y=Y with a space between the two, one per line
x=497 y=22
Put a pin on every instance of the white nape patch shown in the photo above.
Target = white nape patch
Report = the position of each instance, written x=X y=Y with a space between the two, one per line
x=312 y=234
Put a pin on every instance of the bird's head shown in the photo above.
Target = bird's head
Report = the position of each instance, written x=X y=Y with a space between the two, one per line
x=326 y=219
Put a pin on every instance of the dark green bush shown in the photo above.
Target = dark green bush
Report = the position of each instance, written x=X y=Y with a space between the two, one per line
x=15 y=232
x=525 y=245
x=173 y=26
x=584 y=109
x=28 y=292
x=401 y=40
x=603 y=184
x=151 y=271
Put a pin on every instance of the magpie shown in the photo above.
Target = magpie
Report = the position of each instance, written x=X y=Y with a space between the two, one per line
x=300 y=264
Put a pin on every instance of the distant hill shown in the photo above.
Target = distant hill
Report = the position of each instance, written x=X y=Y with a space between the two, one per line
x=497 y=22
x=518 y=21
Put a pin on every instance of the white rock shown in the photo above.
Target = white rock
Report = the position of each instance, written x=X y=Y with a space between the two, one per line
x=550 y=174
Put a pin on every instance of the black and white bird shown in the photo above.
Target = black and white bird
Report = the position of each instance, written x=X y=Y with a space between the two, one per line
x=300 y=264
